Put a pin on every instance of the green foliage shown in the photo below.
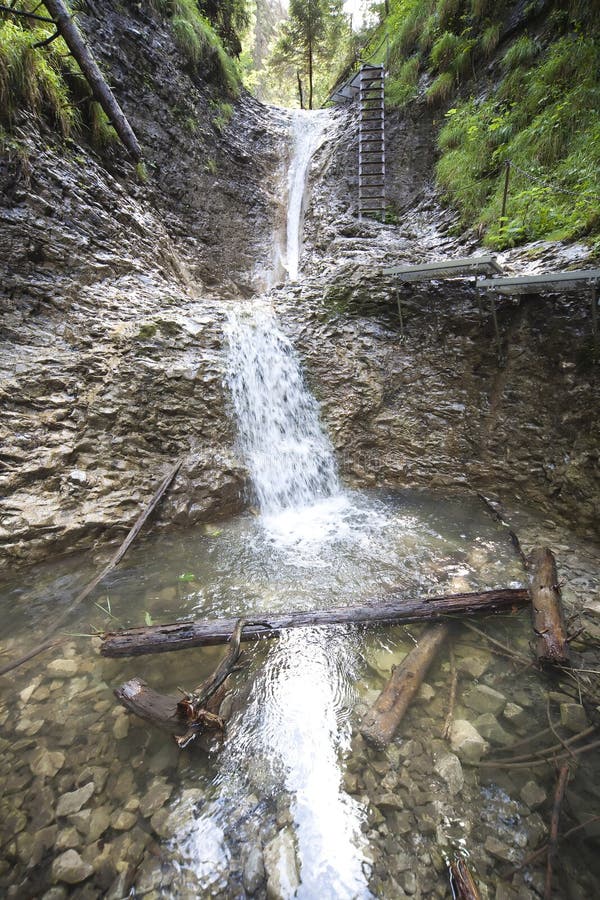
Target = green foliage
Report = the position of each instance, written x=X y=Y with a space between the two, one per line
x=521 y=53
x=222 y=117
x=141 y=172
x=404 y=87
x=490 y=39
x=441 y=89
x=31 y=79
x=546 y=120
x=199 y=43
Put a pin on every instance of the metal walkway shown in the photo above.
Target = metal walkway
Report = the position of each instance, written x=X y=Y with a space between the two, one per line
x=551 y=282
x=371 y=141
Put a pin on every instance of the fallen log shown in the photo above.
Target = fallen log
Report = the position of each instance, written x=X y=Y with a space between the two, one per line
x=187 y=715
x=390 y=610
x=380 y=723
x=552 y=646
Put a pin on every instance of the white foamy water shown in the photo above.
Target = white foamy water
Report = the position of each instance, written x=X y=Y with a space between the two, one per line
x=308 y=132
x=290 y=458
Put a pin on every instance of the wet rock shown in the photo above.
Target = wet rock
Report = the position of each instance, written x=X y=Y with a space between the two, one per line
x=46 y=762
x=408 y=881
x=73 y=801
x=155 y=797
x=466 y=741
x=449 y=769
x=573 y=717
x=389 y=802
x=425 y=694
x=70 y=868
x=535 y=828
x=97 y=774
x=484 y=699
x=490 y=728
x=121 y=728
x=99 y=822
x=62 y=668
x=26 y=693
x=499 y=850
x=281 y=866
x=81 y=820
x=253 y=868
x=515 y=714
x=68 y=839
x=55 y=893
x=122 y=820
x=532 y=794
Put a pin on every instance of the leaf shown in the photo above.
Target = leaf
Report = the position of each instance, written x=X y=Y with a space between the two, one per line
x=186 y=576
x=148 y=618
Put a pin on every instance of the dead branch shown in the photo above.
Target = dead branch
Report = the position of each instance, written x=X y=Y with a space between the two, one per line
x=25 y=15
x=561 y=786
x=552 y=647
x=389 y=610
x=382 y=720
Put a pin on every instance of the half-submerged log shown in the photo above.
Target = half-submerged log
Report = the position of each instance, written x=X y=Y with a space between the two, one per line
x=552 y=646
x=389 y=610
x=380 y=723
x=187 y=715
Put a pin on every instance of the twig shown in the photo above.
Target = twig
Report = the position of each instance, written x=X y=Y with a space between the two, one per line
x=531 y=857
x=561 y=786
x=549 y=751
x=555 y=732
x=452 y=700
x=533 y=763
x=512 y=534
x=47 y=645
x=504 y=647
x=115 y=559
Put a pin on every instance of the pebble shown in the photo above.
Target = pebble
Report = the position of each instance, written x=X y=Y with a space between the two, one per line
x=70 y=868
x=500 y=850
x=72 y=802
x=484 y=699
x=532 y=794
x=121 y=728
x=466 y=741
x=62 y=668
x=573 y=717
x=122 y=820
x=46 y=762
x=449 y=769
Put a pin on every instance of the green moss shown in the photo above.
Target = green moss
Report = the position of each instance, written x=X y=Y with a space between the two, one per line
x=147 y=331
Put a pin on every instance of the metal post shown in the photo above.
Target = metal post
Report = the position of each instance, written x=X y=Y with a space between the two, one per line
x=595 y=293
x=505 y=197
x=496 y=328
x=398 y=301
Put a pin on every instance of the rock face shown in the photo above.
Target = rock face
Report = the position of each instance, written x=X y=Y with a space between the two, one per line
x=110 y=366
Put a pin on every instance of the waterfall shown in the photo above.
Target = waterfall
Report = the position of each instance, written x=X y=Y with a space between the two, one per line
x=289 y=456
x=308 y=129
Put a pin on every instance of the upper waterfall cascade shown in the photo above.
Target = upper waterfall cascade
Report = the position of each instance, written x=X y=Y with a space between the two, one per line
x=308 y=130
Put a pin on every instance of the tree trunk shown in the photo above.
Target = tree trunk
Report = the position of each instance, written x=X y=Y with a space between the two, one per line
x=300 y=93
x=88 y=65
x=382 y=720
x=310 y=73
x=552 y=647
x=390 y=610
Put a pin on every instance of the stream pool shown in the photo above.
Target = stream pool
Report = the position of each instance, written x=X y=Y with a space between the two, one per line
x=98 y=803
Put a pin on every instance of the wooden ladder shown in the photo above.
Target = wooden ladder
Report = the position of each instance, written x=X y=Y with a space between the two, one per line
x=371 y=142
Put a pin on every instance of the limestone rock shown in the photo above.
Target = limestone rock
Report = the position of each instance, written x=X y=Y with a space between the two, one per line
x=466 y=741
x=449 y=769
x=484 y=699
x=573 y=717
x=72 y=802
x=533 y=794
x=491 y=729
x=46 y=762
x=62 y=668
x=281 y=866
x=70 y=868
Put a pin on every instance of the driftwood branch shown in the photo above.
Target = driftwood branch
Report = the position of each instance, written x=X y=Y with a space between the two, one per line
x=114 y=560
x=380 y=723
x=552 y=646
x=74 y=40
x=389 y=610
x=189 y=715
x=561 y=786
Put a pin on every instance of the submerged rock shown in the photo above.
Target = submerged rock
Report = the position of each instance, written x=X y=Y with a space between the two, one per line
x=281 y=866
x=46 y=762
x=466 y=741
x=70 y=868
x=484 y=699
x=448 y=767
x=72 y=802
